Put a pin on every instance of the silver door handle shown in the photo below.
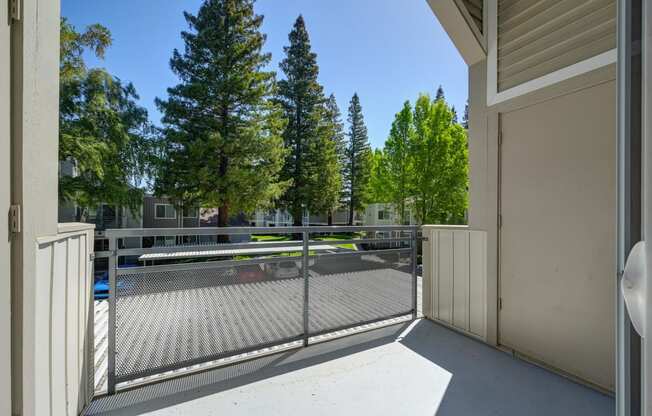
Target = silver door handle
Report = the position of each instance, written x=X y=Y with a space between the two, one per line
x=633 y=286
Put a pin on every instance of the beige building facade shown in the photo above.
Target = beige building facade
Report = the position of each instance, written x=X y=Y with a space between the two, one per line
x=542 y=149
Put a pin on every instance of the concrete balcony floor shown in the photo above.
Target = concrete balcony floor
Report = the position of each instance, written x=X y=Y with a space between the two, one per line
x=419 y=368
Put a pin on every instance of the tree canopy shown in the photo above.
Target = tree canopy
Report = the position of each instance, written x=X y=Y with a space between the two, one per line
x=423 y=167
x=357 y=160
x=223 y=144
x=312 y=132
x=103 y=133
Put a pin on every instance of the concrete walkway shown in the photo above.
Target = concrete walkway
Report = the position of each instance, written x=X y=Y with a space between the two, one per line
x=416 y=369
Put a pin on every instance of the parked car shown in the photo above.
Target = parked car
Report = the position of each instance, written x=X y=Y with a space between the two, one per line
x=283 y=270
x=250 y=274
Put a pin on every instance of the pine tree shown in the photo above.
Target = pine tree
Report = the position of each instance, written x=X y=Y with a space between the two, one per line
x=303 y=102
x=333 y=113
x=399 y=160
x=440 y=94
x=335 y=132
x=358 y=160
x=223 y=143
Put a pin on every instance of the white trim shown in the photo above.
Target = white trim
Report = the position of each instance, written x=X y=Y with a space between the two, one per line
x=494 y=97
x=492 y=51
x=165 y=218
x=456 y=21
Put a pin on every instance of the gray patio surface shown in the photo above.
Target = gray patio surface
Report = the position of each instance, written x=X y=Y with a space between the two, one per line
x=410 y=369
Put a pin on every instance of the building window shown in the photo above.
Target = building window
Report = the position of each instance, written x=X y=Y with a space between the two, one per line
x=165 y=241
x=190 y=212
x=383 y=215
x=165 y=212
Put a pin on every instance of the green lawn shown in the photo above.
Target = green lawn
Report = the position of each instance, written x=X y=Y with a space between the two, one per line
x=273 y=237
x=339 y=238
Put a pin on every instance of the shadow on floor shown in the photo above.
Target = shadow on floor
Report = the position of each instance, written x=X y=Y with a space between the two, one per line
x=172 y=392
x=482 y=380
x=486 y=381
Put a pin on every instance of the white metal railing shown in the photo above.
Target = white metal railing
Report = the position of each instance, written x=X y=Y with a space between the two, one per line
x=455 y=277
x=208 y=302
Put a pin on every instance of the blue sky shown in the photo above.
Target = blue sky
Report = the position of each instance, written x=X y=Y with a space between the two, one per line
x=387 y=51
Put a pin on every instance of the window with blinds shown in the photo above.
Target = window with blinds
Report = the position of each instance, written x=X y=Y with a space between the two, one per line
x=537 y=37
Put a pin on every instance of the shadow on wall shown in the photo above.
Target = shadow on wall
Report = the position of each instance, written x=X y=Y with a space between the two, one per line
x=487 y=381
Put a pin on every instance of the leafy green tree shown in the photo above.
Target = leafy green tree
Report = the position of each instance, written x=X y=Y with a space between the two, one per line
x=312 y=164
x=223 y=144
x=358 y=160
x=440 y=156
x=103 y=133
x=379 y=180
x=399 y=160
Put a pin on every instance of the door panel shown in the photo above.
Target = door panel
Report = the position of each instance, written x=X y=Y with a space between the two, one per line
x=5 y=286
x=557 y=241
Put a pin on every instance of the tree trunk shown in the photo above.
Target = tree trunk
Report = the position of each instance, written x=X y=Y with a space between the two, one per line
x=351 y=212
x=330 y=218
x=223 y=221
x=297 y=221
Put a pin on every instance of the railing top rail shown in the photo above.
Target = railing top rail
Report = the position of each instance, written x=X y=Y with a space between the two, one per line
x=246 y=245
x=121 y=271
x=153 y=232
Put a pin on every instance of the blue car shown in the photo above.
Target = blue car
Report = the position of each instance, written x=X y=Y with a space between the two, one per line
x=101 y=286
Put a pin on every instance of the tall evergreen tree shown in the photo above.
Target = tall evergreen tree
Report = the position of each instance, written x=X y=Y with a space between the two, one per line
x=303 y=102
x=334 y=132
x=358 y=160
x=400 y=166
x=440 y=94
x=333 y=113
x=223 y=132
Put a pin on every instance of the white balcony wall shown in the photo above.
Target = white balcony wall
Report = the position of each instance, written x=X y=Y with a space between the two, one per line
x=455 y=278
x=61 y=344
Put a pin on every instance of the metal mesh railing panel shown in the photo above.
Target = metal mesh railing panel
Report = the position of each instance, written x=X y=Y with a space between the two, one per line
x=172 y=319
x=352 y=289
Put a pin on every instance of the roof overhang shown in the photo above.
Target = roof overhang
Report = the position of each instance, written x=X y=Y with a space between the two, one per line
x=456 y=21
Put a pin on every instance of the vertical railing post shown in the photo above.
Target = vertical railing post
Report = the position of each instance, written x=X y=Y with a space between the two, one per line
x=113 y=264
x=414 y=272
x=306 y=288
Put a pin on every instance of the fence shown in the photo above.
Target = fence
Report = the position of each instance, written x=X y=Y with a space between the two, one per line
x=184 y=305
x=58 y=335
x=454 y=278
